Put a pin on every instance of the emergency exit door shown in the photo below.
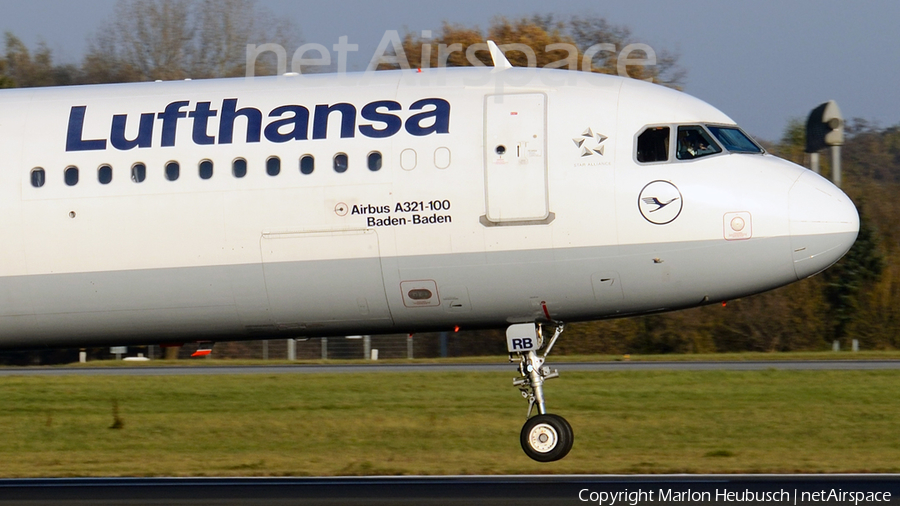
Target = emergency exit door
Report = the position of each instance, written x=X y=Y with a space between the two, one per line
x=515 y=157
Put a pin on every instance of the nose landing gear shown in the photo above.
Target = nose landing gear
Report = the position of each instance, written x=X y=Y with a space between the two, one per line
x=545 y=437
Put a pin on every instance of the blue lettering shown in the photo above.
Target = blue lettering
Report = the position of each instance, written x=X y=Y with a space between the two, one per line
x=441 y=115
x=300 y=122
x=144 y=137
x=392 y=122
x=348 y=120
x=201 y=115
x=170 y=121
x=75 y=134
x=521 y=343
x=229 y=114
x=284 y=124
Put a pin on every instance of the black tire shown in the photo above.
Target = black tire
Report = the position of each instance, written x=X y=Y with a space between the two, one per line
x=546 y=438
x=570 y=438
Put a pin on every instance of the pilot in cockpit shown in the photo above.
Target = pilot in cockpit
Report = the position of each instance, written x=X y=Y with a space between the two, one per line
x=691 y=144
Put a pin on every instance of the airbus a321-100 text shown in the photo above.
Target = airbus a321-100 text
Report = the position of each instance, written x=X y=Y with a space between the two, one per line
x=383 y=202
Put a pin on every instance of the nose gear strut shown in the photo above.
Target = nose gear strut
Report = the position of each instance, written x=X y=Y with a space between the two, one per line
x=545 y=437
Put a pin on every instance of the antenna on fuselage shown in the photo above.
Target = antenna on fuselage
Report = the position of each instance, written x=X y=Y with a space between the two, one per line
x=500 y=61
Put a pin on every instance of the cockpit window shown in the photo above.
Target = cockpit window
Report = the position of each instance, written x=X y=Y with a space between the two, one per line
x=653 y=145
x=734 y=139
x=694 y=142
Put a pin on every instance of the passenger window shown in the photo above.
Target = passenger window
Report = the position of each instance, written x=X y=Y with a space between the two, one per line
x=104 y=174
x=374 y=161
x=408 y=159
x=694 y=142
x=206 y=169
x=138 y=172
x=442 y=158
x=239 y=167
x=653 y=145
x=172 y=171
x=340 y=162
x=307 y=164
x=71 y=175
x=37 y=177
x=273 y=166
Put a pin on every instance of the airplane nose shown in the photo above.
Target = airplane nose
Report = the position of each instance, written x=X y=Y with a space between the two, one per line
x=823 y=223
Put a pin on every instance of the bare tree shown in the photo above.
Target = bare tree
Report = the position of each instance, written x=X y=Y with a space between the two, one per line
x=588 y=31
x=223 y=30
x=178 y=39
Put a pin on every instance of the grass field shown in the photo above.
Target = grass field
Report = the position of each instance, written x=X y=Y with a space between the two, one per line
x=447 y=423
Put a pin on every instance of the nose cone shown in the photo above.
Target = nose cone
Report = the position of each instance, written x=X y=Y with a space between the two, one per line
x=824 y=224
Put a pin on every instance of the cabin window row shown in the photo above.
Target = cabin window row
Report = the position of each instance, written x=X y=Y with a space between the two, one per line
x=172 y=170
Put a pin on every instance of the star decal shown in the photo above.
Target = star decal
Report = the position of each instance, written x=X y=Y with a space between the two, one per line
x=594 y=138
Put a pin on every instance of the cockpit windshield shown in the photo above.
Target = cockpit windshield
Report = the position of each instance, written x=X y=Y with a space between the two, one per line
x=655 y=144
x=694 y=142
x=734 y=139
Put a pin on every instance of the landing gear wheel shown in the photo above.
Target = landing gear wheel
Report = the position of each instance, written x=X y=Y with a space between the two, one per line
x=570 y=434
x=546 y=438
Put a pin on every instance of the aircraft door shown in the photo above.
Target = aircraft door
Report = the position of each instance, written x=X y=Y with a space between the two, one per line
x=515 y=157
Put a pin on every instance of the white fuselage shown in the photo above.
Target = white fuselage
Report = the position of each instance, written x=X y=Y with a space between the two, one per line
x=450 y=230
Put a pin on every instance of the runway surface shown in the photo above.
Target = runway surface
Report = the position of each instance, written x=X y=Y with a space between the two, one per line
x=460 y=490
x=407 y=368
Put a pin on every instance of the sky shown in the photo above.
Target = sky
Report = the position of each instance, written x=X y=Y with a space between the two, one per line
x=763 y=62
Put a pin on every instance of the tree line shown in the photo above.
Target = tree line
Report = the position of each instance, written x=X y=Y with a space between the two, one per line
x=199 y=39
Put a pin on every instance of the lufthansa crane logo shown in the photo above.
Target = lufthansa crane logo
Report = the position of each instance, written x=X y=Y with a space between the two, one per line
x=660 y=202
x=590 y=143
x=655 y=202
